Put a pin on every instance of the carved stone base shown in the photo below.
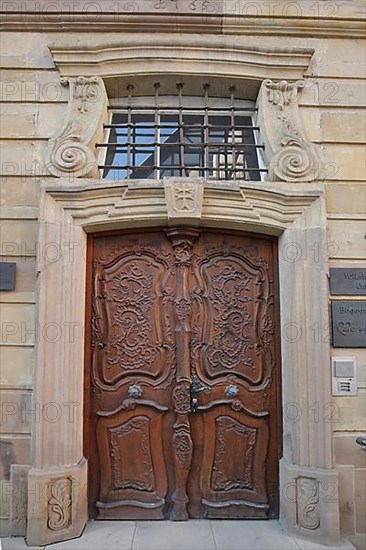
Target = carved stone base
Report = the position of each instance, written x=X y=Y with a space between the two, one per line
x=57 y=504
x=310 y=502
x=19 y=500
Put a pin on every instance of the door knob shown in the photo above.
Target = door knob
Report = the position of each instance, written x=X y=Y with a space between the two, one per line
x=134 y=391
x=195 y=388
x=231 y=390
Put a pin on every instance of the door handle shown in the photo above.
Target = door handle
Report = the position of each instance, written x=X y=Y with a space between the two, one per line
x=195 y=388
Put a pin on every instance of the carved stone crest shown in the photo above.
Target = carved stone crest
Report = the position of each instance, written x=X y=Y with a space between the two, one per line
x=72 y=149
x=184 y=198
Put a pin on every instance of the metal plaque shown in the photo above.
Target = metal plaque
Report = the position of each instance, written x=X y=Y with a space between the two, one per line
x=348 y=281
x=7 y=275
x=349 y=323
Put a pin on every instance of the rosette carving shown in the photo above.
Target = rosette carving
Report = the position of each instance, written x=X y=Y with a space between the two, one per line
x=72 y=149
x=182 y=398
x=289 y=154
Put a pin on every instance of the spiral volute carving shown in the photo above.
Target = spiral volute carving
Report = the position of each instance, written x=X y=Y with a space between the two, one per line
x=70 y=156
x=294 y=163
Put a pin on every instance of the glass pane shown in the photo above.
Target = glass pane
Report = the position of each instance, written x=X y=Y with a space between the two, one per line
x=212 y=144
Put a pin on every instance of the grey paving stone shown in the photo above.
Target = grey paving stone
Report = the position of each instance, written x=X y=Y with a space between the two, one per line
x=174 y=535
x=251 y=535
x=358 y=541
x=308 y=545
x=17 y=543
x=101 y=535
x=192 y=535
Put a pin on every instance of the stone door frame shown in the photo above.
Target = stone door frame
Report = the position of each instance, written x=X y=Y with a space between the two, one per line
x=291 y=205
x=57 y=480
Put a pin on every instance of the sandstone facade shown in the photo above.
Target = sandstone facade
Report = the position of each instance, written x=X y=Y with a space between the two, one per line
x=43 y=207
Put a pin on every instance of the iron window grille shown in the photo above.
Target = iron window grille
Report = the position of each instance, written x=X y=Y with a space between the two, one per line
x=212 y=139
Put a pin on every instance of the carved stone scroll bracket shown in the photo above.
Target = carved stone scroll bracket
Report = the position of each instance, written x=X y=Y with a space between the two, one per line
x=71 y=150
x=309 y=502
x=184 y=199
x=290 y=156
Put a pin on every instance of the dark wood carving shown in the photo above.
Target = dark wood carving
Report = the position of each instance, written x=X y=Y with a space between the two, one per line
x=133 y=368
x=168 y=307
x=182 y=453
x=122 y=439
x=233 y=350
x=182 y=242
x=236 y=473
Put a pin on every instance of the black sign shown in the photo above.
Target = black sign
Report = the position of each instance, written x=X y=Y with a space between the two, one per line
x=348 y=281
x=7 y=275
x=349 y=323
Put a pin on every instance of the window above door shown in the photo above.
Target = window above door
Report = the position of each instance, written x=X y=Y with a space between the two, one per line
x=157 y=136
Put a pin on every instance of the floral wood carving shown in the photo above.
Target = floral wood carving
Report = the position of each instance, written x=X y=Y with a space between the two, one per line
x=290 y=155
x=132 y=315
x=183 y=253
x=182 y=445
x=72 y=149
x=231 y=342
x=138 y=427
x=96 y=321
x=182 y=398
x=182 y=241
x=246 y=438
x=307 y=502
x=59 y=503
x=183 y=308
x=130 y=331
x=232 y=313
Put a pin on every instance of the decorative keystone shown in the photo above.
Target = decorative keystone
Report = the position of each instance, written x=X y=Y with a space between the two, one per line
x=184 y=198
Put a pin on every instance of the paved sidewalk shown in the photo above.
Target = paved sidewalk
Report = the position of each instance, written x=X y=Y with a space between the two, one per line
x=190 y=535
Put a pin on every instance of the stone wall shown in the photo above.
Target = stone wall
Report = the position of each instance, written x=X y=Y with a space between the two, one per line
x=33 y=107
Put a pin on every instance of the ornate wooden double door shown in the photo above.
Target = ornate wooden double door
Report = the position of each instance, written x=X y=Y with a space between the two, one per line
x=182 y=415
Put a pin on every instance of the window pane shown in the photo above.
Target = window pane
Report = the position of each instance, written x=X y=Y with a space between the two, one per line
x=155 y=143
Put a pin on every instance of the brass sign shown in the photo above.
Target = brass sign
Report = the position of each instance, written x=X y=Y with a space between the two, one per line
x=348 y=281
x=7 y=275
x=349 y=323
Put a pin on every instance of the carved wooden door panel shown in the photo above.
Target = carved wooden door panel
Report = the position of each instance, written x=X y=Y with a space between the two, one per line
x=132 y=374
x=182 y=364
x=234 y=354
